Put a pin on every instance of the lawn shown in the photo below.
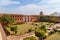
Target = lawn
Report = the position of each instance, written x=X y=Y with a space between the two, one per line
x=55 y=36
x=43 y=23
x=23 y=28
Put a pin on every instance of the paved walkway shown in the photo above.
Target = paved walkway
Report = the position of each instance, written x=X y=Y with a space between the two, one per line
x=21 y=37
x=58 y=24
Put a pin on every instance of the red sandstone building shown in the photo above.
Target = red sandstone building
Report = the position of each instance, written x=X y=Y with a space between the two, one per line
x=18 y=18
x=24 y=18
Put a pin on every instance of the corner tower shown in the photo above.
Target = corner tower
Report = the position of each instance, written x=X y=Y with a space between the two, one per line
x=41 y=13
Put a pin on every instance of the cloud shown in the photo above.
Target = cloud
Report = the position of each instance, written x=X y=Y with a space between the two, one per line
x=27 y=9
x=47 y=6
x=52 y=5
x=7 y=2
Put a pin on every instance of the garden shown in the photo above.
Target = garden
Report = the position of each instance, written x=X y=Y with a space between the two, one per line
x=22 y=28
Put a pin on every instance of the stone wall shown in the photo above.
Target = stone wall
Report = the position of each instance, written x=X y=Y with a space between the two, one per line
x=3 y=34
x=18 y=18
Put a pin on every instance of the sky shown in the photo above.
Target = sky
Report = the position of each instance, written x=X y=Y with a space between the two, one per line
x=29 y=7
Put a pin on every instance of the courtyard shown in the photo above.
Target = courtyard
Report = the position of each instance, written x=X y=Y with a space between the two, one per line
x=24 y=28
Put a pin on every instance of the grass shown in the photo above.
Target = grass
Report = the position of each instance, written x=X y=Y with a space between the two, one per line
x=22 y=28
x=55 y=36
x=43 y=23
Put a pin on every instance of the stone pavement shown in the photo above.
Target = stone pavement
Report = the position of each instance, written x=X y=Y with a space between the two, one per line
x=21 y=37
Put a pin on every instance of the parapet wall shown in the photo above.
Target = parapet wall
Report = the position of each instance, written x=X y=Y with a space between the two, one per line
x=3 y=34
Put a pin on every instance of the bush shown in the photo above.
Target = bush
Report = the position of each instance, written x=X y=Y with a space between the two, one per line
x=55 y=30
x=7 y=31
x=43 y=27
x=40 y=33
x=19 y=23
x=30 y=29
x=35 y=27
x=30 y=38
x=14 y=29
x=36 y=24
x=32 y=23
x=52 y=32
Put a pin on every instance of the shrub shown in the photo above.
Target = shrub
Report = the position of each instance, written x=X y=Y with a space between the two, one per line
x=6 y=30
x=36 y=24
x=43 y=27
x=30 y=29
x=54 y=29
x=14 y=29
x=30 y=38
x=32 y=23
x=19 y=23
x=40 y=33
x=35 y=27
x=52 y=32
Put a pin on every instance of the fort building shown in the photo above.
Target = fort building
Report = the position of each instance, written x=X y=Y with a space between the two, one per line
x=18 y=18
x=23 y=18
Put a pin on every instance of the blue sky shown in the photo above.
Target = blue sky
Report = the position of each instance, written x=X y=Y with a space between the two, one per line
x=29 y=6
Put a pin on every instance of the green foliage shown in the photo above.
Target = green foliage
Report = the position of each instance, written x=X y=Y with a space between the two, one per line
x=40 y=33
x=14 y=29
x=52 y=32
x=35 y=27
x=30 y=29
x=43 y=18
x=7 y=30
x=7 y=19
x=55 y=30
x=11 y=30
x=19 y=23
x=43 y=27
x=30 y=38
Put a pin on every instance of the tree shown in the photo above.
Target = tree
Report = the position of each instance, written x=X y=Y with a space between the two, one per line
x=30 y=38
x=5 y=19
x=40 y=33
x=53 y=18
x=43 y=18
